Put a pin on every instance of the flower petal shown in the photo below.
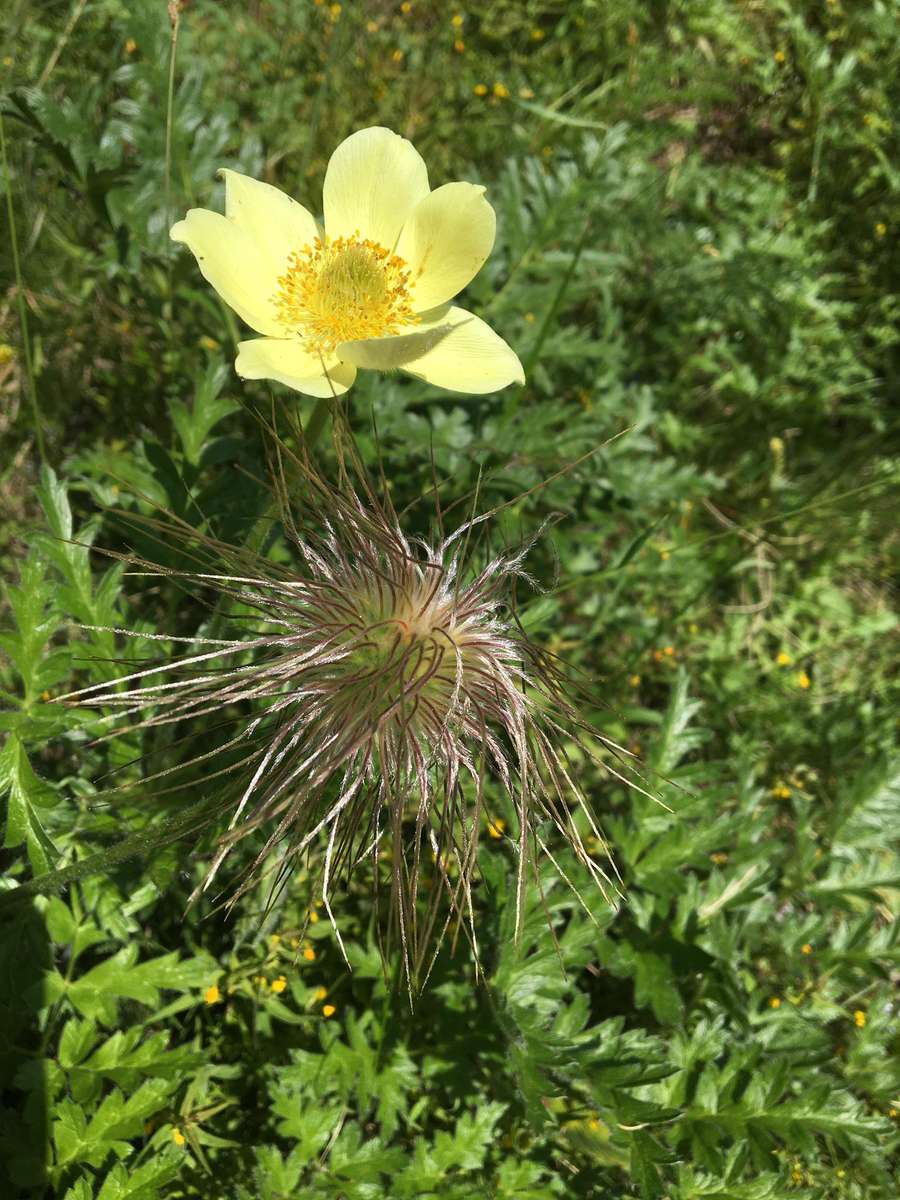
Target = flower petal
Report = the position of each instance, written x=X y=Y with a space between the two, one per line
x=374 y=180
x=237 y=267
x=288 y=362
x=388 y=353
x=272 y=219
x=445 y=242
x=451 y=348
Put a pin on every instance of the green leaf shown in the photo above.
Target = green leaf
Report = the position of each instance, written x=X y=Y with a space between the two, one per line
x=25 y=791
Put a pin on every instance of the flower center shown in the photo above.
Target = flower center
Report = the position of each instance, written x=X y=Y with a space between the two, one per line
x=343 y=289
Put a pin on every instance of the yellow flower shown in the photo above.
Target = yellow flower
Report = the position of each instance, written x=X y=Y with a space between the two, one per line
x=456 y=20
x=806 y=948
x=372 y=26
x=130 y=46
x=313 y=916
x=397 y=56
x=335 y=11
x=634 y=680
x=783 y=659
x=328 y=1010
x=880 y=229
x=803 y=680
x=309 y=954
x=459 y=46
x=525 y=93
x=774 y=1002
x=7 y=354
x=278 y=985
x=178 y=1137
x=780 y=56
x=859 y=1019
x=372 y=291
x=480 y=89
x=212 y=995
x=501 y=91
x=495 y=828
x=321 y=993
x=537 y=35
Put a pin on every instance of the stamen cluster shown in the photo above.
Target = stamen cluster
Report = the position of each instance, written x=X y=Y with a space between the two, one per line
x=343 y=289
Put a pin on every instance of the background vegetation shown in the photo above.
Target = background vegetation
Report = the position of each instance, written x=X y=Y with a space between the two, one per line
x=698 y=204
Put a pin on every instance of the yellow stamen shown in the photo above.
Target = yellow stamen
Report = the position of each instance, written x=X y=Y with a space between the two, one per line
x=341 y=290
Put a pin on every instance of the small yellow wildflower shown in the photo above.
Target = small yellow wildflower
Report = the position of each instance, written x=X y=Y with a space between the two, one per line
x=880 y=229
x=7 y=354
x=665 y=554
x=178 y=1137
x=397 y=56
x=775 y=1002
x=130 y=46
x=634 y=680
x=371 y=26
x=45 y=695
x=537 y=35
x=529 y=317
x=459 y=46
x=212 y=995
x=525 y=93
x=328 y=1010
x=457 y=20
x=806 y=948
x=274 y=939
x=480 y=89
x=859 y=1019
x=720 y=858
x=781 y=791
x=797 y=1176
x=335 y=11
x=8 y=60
x=501 y=91
x=309 y=954
x=278 y=985
x=669 y=651
x=892 y=1113
x=780 y=56
x=803 y=680
x=321 y=993
x=406 y=7
x=495 y=828
x=313 y=916
x=783 y=658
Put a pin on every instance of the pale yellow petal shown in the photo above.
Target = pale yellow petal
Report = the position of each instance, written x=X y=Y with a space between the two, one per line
x=471 y=358
x=388 y=353
x=450 y=348
x=445 y=242
x=278 y=224
x=288 y=362
x=236 y=266
x=375 y=178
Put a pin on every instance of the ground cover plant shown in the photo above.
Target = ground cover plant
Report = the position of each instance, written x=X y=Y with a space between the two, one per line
x=697 y=207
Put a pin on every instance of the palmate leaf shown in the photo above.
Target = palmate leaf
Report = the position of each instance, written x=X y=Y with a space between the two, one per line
x=79 y=1139
x=96 y=994
x=138 y=1183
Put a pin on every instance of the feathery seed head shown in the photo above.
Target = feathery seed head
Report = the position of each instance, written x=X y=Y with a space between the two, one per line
x=385 y=682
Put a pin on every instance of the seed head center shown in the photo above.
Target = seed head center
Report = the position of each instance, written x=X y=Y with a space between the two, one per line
x=342 y=289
